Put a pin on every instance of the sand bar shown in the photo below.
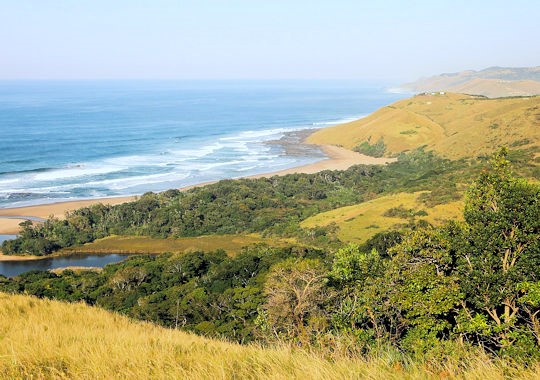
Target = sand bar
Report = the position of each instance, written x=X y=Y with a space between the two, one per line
x=19 y=258
x=10 y=226
x=338 y=159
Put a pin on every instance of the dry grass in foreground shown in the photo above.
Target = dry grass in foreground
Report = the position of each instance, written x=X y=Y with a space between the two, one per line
x=43 y=339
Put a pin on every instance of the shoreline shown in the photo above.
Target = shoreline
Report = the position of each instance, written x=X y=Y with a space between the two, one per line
x=337 y=158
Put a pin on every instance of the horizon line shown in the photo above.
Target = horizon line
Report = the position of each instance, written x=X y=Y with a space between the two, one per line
x=197 y=79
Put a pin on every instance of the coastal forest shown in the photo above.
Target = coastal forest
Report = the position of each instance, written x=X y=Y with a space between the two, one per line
x=446 y=271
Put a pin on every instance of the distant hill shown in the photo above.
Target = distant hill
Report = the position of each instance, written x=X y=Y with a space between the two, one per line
x=496 y=88
x=452 y=125
x=493 y=82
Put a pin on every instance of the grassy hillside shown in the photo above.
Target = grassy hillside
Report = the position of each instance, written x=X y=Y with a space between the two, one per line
x=49 y=339
x=453 y=125
x=491 y=82
x=359 y=222
x=495 y=88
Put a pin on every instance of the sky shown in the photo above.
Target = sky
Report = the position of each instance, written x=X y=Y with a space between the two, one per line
x=396 y=40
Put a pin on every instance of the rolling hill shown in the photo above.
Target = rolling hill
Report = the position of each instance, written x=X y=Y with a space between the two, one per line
x=453 y=125
x=496 y=88
x=357 y=223
x=493 y=82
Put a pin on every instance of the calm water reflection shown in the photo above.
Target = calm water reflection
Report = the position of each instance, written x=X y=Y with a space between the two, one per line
x=14 y=268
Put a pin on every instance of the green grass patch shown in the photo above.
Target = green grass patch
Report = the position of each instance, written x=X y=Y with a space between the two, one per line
x=360 y=222
x=408 y=132
x=231 y=244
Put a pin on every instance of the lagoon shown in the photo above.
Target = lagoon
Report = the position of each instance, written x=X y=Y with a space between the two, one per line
x=16 y=267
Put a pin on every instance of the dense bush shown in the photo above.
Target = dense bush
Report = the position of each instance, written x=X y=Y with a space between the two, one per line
x=475 y=281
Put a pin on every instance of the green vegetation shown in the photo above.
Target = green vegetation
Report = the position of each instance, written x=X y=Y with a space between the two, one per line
x=376 y=150
x=440 y=195
x=208 y=293
x=399 y=211
x=403 y=213
x=433 y=293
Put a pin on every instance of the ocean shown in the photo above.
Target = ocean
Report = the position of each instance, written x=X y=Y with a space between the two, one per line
x=68 y=140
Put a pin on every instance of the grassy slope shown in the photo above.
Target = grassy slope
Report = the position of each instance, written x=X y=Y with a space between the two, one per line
x=359 y=222
x=453 y=125
x=494 y=88
x=492 y=82
x=232 y=244
x=50 y=339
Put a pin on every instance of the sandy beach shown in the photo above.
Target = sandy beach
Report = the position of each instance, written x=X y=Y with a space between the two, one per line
x=337 y=159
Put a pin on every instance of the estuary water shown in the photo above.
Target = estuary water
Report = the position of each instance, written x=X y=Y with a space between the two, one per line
x=15 y=268
x=67 y=140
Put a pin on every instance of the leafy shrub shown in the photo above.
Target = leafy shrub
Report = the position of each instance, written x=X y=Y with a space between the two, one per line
x=403 y=213
x=376 y=150
x=408 y=132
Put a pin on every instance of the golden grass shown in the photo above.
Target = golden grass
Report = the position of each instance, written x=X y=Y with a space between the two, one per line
x=43 y=339
x=143 y=244
x=453 y=125
x=495 y=88
x=357 y=223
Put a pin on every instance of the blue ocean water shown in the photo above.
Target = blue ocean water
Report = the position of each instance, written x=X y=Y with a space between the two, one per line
x=65 y=140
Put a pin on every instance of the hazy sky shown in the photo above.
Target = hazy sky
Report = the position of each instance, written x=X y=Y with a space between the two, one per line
x=264 y=39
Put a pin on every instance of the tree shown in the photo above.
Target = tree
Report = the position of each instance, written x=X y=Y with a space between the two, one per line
x=296 y=292
x=352 y=265
x=500 y=250
x=423 y=287
x=362 y=302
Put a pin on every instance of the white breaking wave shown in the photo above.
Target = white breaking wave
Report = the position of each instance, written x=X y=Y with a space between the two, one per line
x=339 y=121
x=247 y=168
x=79 y=170
x=177 y=165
